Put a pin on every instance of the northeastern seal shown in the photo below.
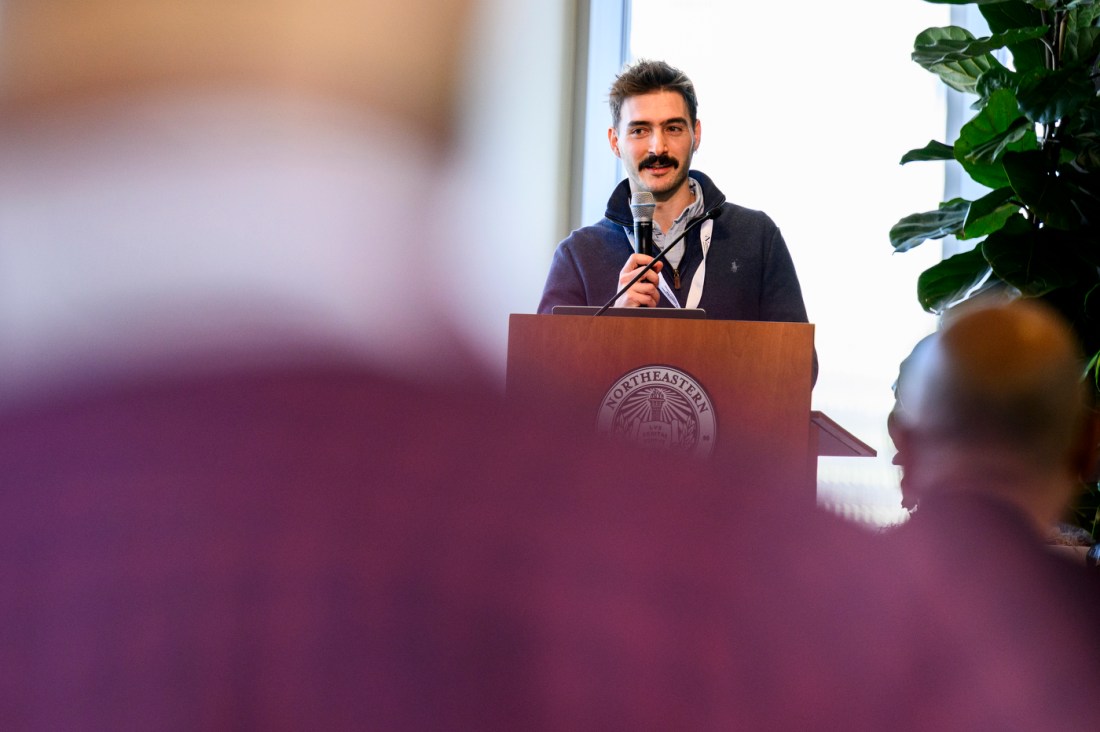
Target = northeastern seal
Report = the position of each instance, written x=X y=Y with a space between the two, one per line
x=660 y=407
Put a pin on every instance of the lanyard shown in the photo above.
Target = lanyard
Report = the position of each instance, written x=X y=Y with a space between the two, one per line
x=695 y=294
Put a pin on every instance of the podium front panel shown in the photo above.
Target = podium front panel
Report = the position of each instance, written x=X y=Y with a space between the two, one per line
x=756 y=377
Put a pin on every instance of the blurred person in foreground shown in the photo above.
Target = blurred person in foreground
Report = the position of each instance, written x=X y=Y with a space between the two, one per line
x=901 y=391
x=994 y=403
x=251 y=479
x=187 y=179
x=996 y=429
x=241 y=490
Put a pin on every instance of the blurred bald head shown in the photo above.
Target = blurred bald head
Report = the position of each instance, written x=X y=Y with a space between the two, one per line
x=398 y=58
x=1008 y=375
x=998 y=388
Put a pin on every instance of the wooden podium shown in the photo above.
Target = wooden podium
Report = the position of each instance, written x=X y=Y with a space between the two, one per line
x=733 y=390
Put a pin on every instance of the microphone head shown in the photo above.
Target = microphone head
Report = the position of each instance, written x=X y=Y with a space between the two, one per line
x=642 y=204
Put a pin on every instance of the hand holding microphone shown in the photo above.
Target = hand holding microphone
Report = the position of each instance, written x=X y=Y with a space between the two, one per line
x=654 y=263
x=637 y=292
x=641 y=292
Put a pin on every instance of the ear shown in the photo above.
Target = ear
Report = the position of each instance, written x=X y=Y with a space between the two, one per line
x=698 y=135
x=900 y=436
x=903 y=458
x=613 y=138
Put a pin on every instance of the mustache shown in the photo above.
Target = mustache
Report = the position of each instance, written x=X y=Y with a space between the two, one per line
x=659 y=161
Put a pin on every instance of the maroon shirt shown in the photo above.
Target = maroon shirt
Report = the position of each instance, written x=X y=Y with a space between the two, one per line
x=333 y=549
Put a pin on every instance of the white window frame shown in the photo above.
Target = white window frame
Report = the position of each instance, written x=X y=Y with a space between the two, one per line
x=598 y=170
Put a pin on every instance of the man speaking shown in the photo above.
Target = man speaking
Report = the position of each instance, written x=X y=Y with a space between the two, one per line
x=732 y=262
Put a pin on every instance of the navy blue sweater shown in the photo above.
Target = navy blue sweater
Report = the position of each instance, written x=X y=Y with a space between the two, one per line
x=749 y=274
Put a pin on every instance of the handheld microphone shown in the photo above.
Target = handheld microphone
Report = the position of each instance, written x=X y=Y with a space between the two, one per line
x=642 y=205
x=711 y=214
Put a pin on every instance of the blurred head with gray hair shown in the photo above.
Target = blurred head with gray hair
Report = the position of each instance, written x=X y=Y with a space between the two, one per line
x=995 y=402
x=230 y=178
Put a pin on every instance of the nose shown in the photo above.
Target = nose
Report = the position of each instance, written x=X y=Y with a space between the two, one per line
x=658 y=144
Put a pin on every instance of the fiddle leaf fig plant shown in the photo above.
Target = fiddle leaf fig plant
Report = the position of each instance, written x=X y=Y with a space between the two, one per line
x=1033 y=146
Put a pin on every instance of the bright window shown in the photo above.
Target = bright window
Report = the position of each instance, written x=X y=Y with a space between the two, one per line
x=806 y=110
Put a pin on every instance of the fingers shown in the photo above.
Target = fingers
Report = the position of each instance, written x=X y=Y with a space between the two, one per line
x=644 y=292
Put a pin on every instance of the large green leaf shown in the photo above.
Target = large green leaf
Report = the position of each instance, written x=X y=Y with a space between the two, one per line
x=1083 y=190
x=1033 y=260
x=966 y=2
x=991 y=81
x=1041 y=191
x=995 y=130
x=1092 y=303
x=943 y=45
x=1079 y=305
x=1017 y=14
x=917 y=228
x=1041 y=4
x=1045 y=4
x=989 y=213
x=938 y=51
x=989 y=152
x=1089 y=10
x=934 y=150
x=945 y=282
x=1082 y=15
x=1085 y=123
x=1045 y=97
x=1088 y=153
x=1081 y=129
x=1082 y=46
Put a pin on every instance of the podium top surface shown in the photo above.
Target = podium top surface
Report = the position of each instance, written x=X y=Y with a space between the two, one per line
x=591 y=310
x=835 y=441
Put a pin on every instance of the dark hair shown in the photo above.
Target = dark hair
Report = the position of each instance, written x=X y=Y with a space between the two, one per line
x=645 y=76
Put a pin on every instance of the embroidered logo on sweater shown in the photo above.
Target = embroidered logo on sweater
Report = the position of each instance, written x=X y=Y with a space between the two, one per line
x=660 y=407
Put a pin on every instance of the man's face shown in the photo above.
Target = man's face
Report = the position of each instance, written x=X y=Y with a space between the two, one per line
x=655 y=140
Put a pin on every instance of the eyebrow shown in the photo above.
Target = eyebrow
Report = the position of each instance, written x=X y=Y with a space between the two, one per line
x=647 y=123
